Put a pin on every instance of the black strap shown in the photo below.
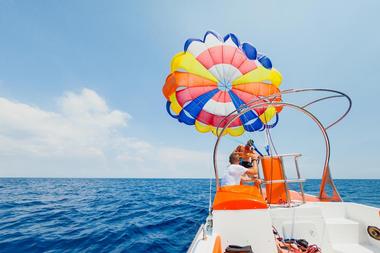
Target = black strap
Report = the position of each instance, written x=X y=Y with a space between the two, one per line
x=240 y=249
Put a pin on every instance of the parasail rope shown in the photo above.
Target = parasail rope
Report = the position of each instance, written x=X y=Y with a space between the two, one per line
x=209 y=200
x=267 y=147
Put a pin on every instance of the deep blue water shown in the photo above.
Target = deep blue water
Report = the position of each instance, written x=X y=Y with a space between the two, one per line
x=118 y=215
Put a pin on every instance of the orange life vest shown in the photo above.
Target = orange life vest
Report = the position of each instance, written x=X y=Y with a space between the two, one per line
x=245 y=152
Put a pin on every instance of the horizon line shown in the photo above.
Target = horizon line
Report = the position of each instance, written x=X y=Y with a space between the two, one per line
x=41 y=177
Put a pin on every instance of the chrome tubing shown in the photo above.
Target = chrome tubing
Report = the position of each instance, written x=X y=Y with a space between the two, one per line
x=294 y=180
x=292 y=91
x=299 y=177
x=296 y=107
x=263 y=101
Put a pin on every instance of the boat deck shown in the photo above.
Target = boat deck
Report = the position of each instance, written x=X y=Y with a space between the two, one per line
x=334 y=227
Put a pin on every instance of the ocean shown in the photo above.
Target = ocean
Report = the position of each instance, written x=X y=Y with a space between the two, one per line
x=118 y=215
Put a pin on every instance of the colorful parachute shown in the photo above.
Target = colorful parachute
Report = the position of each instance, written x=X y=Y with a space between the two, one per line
x=215 y=76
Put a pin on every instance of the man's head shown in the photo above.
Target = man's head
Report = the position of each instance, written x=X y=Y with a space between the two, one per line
x=250 y=143
x=234 y=158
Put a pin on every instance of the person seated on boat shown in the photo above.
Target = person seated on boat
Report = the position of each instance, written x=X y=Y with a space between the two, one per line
x=247 y=154
x=234 y=172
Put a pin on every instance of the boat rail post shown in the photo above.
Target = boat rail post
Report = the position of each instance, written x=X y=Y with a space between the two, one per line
x=299 y=177
x=288 y=200
x=259 y=177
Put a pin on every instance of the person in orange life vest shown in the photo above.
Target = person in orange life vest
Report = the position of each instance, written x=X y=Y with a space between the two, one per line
x=248 y=156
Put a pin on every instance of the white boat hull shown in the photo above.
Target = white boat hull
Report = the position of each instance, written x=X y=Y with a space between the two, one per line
x=335 y=227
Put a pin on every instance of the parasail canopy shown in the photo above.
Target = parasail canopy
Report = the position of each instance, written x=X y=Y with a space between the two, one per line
x=215 y=76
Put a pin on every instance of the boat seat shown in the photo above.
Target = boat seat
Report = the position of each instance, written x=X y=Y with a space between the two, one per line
x=238 y=197
x=276 y=193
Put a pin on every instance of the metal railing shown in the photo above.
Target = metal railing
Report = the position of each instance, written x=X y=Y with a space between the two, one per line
x=286 y=181
x=263 y=102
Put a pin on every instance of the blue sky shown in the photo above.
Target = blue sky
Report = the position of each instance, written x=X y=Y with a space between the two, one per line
x=80 y=83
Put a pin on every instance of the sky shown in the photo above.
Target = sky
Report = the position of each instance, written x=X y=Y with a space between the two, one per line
x=80 y=84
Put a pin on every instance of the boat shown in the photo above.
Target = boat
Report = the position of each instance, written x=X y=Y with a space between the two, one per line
x=271 y=217
x=224 y=86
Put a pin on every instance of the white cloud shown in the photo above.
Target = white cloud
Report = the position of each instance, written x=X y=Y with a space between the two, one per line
x=83 y=125
x=84 y=137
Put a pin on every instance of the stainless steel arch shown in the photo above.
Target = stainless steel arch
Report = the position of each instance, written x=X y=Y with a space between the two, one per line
x=265 y=101
x=292 y=91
